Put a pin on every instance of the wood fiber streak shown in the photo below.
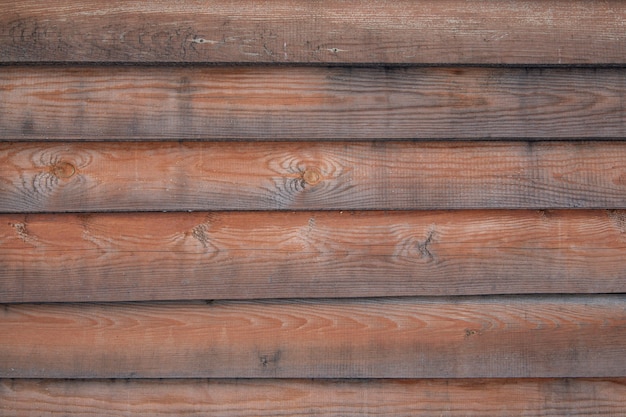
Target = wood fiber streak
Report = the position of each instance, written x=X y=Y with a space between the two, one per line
x=290 y=31
x=168 y=256
x=512 y=337
x=309 y=103
x=348 y=398
x=83 y=177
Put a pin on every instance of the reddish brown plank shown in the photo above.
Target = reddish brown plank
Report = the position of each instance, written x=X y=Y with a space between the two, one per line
x=330 y=31
x=566 y=336
x=325 y=398
x=309 y=103
x=167 y=256
x=83 y=177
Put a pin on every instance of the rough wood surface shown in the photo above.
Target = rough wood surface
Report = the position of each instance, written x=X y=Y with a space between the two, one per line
x=513 y=337
x=309 y=103
x=167 y=256
x=131 y=176
x=324 y=398
x=354 y=31
x=375 y=105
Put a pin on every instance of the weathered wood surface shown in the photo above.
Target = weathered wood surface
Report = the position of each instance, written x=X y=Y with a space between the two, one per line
x=355 y=31
x=140 y=176
x=309 y=103
x=324 y=398
x=563 y=336
x=309 y=121
x=167 y=256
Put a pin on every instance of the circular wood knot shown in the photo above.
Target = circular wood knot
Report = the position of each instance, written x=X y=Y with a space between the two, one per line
x=311 y=176
x=63 y=170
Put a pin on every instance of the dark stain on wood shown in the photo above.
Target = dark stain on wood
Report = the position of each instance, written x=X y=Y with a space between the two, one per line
x=312 y=103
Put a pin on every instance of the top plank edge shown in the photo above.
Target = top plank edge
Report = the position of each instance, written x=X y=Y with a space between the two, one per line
x=457 y=32
x=347 y=65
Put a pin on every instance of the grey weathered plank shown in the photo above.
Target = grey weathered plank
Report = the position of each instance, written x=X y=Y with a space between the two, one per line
x=329 y=31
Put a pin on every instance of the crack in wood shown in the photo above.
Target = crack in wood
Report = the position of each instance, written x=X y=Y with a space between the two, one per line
x=424 y=247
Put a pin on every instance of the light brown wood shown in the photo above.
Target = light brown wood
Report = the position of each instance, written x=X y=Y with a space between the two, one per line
x=330 y=31
x=309 y=103
x=83 y=177
x=325 y=398
x=168 y=256
x=563 y=336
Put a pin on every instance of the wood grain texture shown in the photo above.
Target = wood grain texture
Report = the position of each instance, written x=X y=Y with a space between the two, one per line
x=324 y=398
x=330 y=31
x=131 y=176
x=513 y=337
x=168 y=256
x=309 y=103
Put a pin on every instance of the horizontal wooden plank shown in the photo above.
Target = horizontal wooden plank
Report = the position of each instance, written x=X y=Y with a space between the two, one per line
x=324 y=398
x=330 y=31
x=309 y=103
x=129 y=176
x=490 y=337
x=168 y=256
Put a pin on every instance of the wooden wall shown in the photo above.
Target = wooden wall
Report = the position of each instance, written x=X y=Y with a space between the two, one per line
x=330 y=208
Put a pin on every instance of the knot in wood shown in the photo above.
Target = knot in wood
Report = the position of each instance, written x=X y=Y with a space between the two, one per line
x=63 y=170
x=311 y=176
